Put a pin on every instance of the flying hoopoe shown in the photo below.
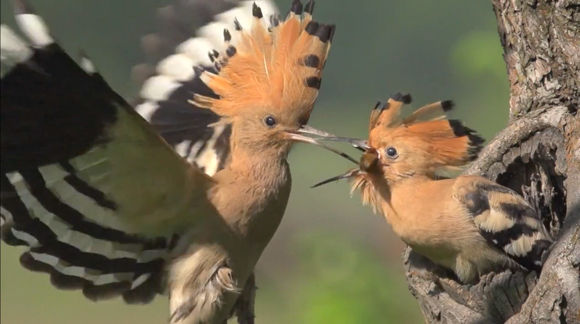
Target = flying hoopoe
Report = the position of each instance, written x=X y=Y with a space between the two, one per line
x=107 y=206
x=467 y=224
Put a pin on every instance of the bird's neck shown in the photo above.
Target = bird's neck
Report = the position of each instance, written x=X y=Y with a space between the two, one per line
x=251 y=193
x=260 y=165
x=391 y=191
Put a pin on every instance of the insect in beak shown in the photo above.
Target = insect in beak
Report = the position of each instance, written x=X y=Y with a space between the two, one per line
x=307 y=134
x=369 y=161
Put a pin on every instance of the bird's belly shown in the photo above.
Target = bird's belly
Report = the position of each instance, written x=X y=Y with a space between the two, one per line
x=432 y=239
x=439 y=254
x=205 y=282
x=232 y=251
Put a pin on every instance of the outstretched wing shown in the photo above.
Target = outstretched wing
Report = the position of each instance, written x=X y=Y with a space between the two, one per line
x=505 y=220
x=87 y=185
x=169 y=81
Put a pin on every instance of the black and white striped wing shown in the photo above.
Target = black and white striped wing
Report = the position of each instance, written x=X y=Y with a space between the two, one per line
x=170 y=81
x=506 y=221
x=87 y=185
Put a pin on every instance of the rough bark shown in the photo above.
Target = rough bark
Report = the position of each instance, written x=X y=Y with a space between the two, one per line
x=538 y=155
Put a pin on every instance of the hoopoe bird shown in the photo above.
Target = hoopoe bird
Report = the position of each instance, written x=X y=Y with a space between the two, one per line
x=106 y=205
x=467 y=224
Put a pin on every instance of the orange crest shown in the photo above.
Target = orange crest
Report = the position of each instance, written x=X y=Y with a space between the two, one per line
x=278 y=67
x=430 y=140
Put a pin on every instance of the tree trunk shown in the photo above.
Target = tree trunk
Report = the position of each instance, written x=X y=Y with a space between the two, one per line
x=538 y=155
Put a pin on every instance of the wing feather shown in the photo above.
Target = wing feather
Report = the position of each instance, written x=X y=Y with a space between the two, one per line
x=97 y=196
x=166 y=94
x=505 y=220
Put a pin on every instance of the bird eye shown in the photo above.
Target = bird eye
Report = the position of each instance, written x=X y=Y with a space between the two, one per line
x=270 y=121
x=392 y=152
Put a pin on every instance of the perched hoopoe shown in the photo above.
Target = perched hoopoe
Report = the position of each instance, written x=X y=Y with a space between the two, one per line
x=107 y=206
x=467 y=224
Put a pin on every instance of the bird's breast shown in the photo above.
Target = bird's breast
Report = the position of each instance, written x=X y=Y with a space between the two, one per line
x=425 y=215
x=252 y=203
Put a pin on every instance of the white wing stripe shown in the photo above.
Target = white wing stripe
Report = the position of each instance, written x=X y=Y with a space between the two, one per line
x=35 y=29
x=29 y=239
x=6 y=215
x=208 y=158
x=147 y=109
x=12 y=48
x=81 y=272
x=196 y=49
x=67 y=235
x=178 y=66
x=78 y=201
x=140 y=280
x=159 y=87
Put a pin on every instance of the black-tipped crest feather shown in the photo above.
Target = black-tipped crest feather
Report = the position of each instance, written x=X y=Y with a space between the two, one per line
x=309 y=7
x=296 y=7
x=256 y=11
x=402 y=97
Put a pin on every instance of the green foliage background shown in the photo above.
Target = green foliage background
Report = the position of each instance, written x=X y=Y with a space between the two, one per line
x=332 y=260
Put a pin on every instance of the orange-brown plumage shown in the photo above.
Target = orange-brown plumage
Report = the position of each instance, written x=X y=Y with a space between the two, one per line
x=468 y=224
x=437 y=145
x=164 y=224
x=268 y=69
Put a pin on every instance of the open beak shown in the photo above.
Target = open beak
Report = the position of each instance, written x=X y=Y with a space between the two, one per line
x=360 y=144
x=348 y=174
x=369 y=161
x=307 y=134
x=314 y=136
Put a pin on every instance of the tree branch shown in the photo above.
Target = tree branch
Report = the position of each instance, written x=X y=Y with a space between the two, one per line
x=538 y=155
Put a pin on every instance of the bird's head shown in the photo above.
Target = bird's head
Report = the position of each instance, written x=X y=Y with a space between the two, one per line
x=267 y=79
x=424 y=143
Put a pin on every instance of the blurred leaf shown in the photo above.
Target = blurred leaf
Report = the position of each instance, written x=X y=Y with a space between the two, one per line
x=478 y=54
x=347 y=274
x=350 y=285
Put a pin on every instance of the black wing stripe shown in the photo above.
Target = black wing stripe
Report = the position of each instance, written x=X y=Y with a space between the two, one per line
x=53 y=110
x=51 y=75
x=167 y=106
x=222 y=146
x=144 y=250
x=142 y=292
x=533 y=259
x=508 y=222
x=506 y=236
x=84 y=188
x=517 y=210
x=21 y=218
x=47 y=252
x=48 y=242
x=107 y=287
x=74 y=218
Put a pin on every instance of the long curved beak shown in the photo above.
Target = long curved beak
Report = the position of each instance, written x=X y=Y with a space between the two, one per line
x=307 y=134
x=360 y=144
x=368 y=163
x=348 y=174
